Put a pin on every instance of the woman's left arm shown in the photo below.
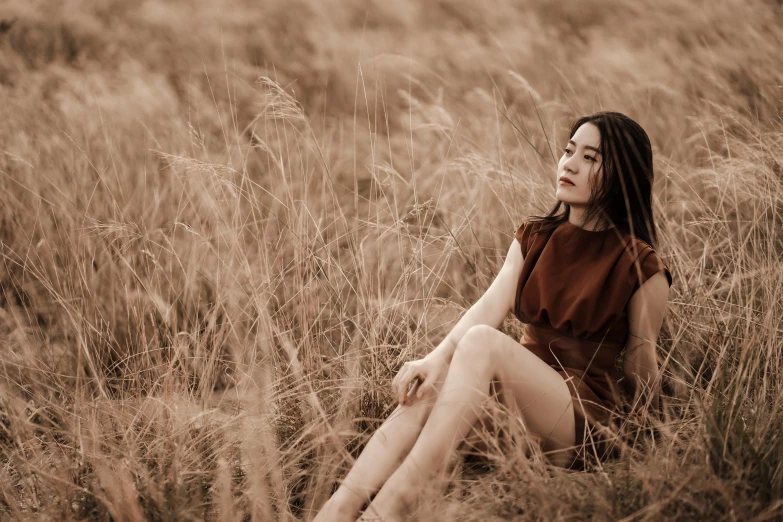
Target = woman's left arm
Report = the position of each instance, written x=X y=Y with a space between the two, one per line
x=646 y=309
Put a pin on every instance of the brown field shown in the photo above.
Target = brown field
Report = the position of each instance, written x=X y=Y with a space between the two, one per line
x=225 y=225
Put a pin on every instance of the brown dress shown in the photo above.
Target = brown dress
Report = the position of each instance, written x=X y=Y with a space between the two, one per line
x=572 y=295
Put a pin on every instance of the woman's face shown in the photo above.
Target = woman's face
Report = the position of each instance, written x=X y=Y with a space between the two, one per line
x=581 y=164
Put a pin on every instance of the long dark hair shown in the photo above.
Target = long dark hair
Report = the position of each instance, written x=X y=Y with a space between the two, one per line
x=623 y=196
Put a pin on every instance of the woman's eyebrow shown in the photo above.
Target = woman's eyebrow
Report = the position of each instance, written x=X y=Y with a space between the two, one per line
x=586 y=146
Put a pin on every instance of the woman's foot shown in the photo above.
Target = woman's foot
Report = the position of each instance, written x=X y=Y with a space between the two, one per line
x=333 y=511
x=383 y=514
x=396 y=512
x=391 y=504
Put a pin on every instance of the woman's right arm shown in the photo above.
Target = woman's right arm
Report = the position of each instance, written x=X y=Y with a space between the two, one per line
x=491 y=308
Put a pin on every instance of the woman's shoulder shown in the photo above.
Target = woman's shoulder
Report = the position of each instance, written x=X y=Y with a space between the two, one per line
x=526 y=232
x=635 y=247
x=529 y=226
x=641 y=261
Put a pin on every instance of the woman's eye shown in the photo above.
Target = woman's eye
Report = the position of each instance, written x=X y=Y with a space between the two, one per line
x=568 y=151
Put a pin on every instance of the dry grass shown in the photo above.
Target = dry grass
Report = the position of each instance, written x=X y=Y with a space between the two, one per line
x=226 y=224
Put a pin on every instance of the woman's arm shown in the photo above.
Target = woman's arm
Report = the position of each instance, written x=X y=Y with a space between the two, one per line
x=491 y=308
x=645 y=317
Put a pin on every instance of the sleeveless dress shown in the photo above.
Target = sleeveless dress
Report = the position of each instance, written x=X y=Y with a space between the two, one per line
x=572 y=295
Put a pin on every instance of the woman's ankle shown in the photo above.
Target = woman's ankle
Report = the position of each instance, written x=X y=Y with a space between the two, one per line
x=333 y=511
x=347 y=501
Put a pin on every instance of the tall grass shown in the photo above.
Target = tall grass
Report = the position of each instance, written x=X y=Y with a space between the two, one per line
x=225 y=227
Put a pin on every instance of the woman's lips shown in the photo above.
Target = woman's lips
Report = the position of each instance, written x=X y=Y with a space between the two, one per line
x=565 y=182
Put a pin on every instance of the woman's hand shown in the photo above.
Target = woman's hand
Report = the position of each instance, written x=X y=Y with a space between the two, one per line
x=424 y=373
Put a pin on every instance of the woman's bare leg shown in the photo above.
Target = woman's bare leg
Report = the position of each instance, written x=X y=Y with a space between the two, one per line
x=484 y=354
x=382 y=454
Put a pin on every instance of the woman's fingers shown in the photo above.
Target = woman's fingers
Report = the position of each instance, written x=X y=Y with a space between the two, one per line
x=400 y=374
x=403 y=386
x=414 y=389
x=400 y=386
x=429 y=383
x=398 y=378
x=415 y=384
x=425 y=386
x=410 y=374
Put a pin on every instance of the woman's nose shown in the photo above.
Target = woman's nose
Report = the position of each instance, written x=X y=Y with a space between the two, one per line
x=569 y=164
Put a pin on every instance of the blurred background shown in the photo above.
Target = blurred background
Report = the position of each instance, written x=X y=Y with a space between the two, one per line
x=225 y=225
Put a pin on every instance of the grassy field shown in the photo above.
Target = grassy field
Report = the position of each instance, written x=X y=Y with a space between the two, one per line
x=225 y=225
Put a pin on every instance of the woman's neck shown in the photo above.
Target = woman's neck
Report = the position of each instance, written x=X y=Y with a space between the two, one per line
x=576 y=217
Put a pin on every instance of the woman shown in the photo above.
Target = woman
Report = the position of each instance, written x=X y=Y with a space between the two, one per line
x=593 y=293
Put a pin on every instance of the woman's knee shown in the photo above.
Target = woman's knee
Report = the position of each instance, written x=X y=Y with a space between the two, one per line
x=476 y=344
